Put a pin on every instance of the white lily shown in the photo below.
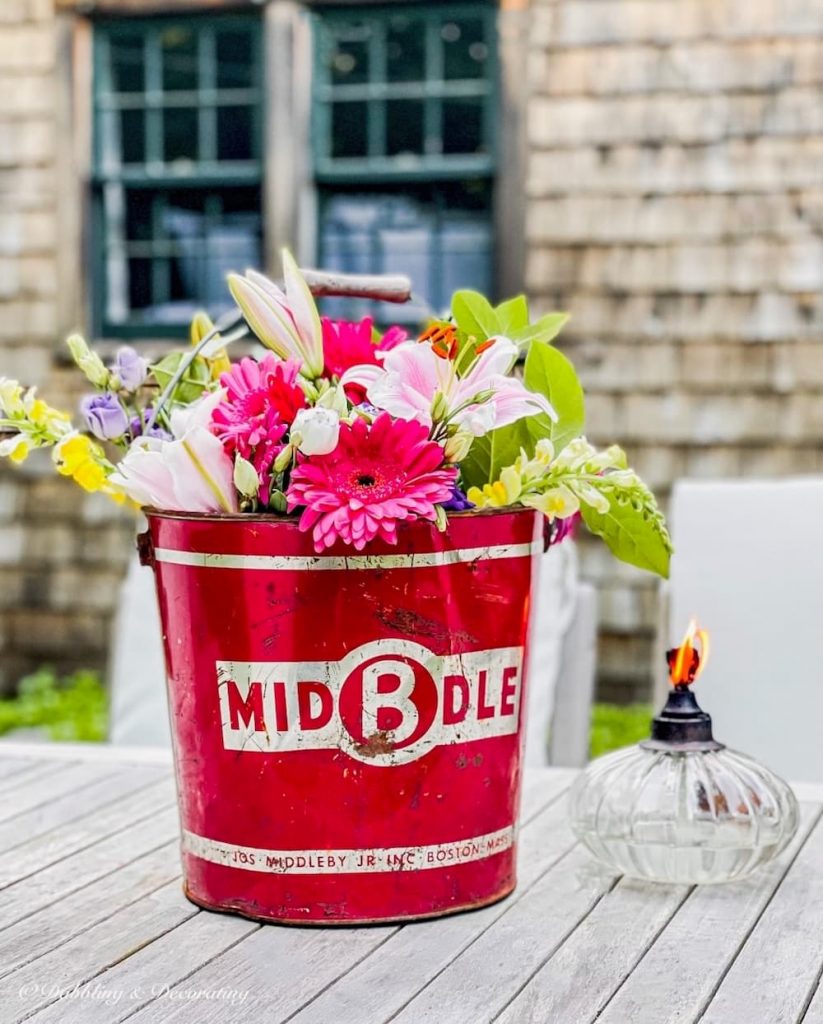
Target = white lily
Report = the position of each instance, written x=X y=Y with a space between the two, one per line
x=287 y=321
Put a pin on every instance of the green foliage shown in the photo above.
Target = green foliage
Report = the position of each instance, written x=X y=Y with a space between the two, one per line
x=74 y=708
x=550 y=373
x=614 y=726
x=633 y=527
x=192 y=383
x=475 y=315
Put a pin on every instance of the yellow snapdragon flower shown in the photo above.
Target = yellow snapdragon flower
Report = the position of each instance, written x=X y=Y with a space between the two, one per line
x=83 y=460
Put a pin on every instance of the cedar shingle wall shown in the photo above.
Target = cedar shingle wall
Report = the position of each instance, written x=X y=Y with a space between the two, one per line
x=675 y=206
x=61 y=551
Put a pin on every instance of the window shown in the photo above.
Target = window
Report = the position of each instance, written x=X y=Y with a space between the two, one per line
x=177 y=168
x=404 y=160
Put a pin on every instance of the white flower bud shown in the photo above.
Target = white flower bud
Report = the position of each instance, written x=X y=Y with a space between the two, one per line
x=89 y=362
x=315 y=431
x=245 y=477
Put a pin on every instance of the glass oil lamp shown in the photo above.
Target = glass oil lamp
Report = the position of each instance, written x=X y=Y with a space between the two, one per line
x=680 y=806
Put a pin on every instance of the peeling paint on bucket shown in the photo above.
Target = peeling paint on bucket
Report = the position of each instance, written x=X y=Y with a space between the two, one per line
x=347 y=727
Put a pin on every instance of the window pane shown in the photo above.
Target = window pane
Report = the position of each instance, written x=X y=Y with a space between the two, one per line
x=235 y=59
x=179 y=134
x=139 y=214
x=405 y=49
x=463 y=126
x=179 y=53
x=438 y=233
x=349 y=129
x=127 y=72
x=133 y=136
x=404 y=127
x=234 y=133
x=140 y=291
x=466 y=53
x=348 y=61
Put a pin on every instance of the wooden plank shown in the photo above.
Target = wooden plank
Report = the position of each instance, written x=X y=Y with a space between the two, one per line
x=76 y=835
x=281 y=968
x=63 y=780
x=576 y=980
x=88 y=864
x=106 y=753
x=15 y=765
x=675 y=980
x=541 y=787
x=814 y=1014
x=428 y=948
x=46 y=929
x=91 y=799
x=41 y=982
x=478 y=984
x=151 y=972
x=777 y=971
x=35 y=770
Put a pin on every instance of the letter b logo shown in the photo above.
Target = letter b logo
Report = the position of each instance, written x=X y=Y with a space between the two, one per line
x=388 y=705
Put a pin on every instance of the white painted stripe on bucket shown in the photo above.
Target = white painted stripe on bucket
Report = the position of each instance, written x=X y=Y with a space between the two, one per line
x=415 y=560
x=347 y=862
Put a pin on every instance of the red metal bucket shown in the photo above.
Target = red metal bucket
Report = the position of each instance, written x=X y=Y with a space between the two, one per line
x=347 y=727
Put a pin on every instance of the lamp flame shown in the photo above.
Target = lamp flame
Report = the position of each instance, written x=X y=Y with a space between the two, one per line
x=687 y=661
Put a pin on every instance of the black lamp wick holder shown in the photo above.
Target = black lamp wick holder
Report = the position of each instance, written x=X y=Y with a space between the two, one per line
x=682 y=725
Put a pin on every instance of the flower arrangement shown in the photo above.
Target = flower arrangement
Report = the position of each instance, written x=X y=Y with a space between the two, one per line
x=352 y=430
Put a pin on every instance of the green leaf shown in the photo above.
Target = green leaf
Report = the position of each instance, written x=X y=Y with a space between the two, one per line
x=193 y=382
x=545 y=329
x=634 y=531
x=550 y=373
x=489 y=454
x=473 y=314
x=513 y=315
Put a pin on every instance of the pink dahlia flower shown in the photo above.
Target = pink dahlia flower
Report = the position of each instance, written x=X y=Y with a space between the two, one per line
x=261 y=401
x=376 y=475
x=347 y=344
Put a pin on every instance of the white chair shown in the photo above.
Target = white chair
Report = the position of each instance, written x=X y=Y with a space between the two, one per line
x=137 y=673
x=749 y=566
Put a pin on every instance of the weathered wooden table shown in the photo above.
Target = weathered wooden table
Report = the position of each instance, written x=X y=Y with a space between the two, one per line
x=94 y=927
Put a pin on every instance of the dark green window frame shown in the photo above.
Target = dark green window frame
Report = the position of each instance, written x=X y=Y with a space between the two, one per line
x=429 y=173
x=433 y=87
x=136 y=118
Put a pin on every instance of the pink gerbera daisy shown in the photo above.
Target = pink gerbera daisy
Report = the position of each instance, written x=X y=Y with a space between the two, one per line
x=347 y=344
x=262 y=399
x=376 y=475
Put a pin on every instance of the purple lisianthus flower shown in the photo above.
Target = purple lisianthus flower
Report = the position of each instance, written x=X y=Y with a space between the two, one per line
x=131 y=368
x=458 y=502
x=137 y=427
x=104 y=416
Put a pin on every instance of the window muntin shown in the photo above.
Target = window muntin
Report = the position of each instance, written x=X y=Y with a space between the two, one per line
x=404 y=155
x=177 y=169
x=405 y=90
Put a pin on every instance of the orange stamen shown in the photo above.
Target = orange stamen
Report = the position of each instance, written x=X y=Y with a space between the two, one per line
x=485 y=345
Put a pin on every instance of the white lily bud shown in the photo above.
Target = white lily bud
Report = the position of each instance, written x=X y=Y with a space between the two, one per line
x=89 y=362
x=315 y=431
x=284 y=459
x=335 y=399
x=457 y=446
x=245 y=477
